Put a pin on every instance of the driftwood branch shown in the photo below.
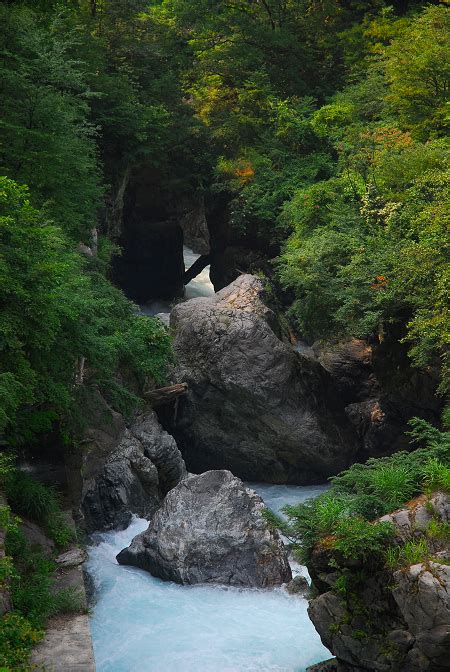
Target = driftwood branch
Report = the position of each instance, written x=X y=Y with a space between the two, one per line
x=164 y=395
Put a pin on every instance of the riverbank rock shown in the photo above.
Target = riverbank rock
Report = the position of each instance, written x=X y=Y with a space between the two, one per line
x=380 y=390
x=330 y=665
x=123 y=470
x=254 y=405
x=210 y=529
x=298 y=586
x=389 y=620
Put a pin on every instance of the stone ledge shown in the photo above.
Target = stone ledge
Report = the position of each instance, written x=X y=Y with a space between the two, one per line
x=66 y=647
x=67 y=644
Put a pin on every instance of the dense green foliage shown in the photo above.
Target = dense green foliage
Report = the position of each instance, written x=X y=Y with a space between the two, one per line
x=27 y=497
x=57 y=308
x=327 y=125
x=25 y=571
x=342 y=518
x=370 y=245
x=319 y=125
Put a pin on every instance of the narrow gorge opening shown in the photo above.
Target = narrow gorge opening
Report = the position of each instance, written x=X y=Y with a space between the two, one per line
x=150 y=265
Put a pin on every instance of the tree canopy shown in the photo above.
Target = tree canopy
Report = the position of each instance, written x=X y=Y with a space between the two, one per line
x=321 y=124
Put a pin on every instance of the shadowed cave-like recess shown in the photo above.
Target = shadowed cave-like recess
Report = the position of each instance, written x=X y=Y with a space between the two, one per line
x=151 y=264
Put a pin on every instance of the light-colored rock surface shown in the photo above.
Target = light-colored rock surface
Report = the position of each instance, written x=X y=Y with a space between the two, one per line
x=72 y=558
x=422 y=594
x=254 y=405
x=210 y=529
x=66 y=646
x=413 y=520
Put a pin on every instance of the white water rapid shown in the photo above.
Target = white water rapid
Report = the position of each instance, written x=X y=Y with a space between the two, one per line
x=142 y=624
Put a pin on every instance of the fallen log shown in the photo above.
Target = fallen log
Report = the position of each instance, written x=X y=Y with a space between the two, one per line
x=163 y=395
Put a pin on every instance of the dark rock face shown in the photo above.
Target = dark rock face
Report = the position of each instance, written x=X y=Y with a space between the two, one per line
x=228 y=264
x=151 y=265
x=191 y=217
x=210 y=529
x=381 y=393
x=298 y=586
x=393 y=621
x=254 y=405
x=125 y=470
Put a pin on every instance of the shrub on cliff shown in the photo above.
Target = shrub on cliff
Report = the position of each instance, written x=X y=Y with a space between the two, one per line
x=61 y=316
x=343 y=518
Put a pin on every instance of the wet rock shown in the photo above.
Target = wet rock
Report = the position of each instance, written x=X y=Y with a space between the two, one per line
x=298 y=586
x=254 y=405
x=125 y=470
x=210 y=529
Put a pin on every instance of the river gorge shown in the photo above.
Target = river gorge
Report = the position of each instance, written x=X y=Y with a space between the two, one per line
x=140 y=622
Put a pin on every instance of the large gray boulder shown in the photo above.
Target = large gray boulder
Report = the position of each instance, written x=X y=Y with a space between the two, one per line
x=422 y=596
x=210 y=529
x=124 y=469
x=254 y=406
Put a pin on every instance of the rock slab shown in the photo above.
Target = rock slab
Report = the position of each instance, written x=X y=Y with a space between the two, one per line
x=210 y=529
x=254 y=405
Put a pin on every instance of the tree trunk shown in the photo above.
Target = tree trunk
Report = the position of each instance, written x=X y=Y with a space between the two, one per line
x=164 y=395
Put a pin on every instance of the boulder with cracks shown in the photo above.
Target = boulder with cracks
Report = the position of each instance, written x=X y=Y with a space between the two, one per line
x=254 y=406
x=211 y=529
x=123 y=469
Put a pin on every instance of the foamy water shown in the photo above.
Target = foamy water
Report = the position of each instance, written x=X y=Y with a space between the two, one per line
x=142 y=624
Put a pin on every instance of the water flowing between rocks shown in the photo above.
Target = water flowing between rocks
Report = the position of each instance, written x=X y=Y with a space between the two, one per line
x=142 y=624
x=201 y=285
